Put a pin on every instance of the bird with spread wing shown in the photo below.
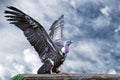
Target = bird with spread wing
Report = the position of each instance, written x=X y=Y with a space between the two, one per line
x=50 y=47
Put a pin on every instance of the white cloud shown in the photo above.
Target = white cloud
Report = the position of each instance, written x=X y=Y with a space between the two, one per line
x=29 y=55
x=13 y=64
x=19 y=68
x=73 y=3
x=100 y=22
x=87 y=47
x=105 y=10
x=2 y=72
x=32 y=58
x=112 y=71
x=117 y=30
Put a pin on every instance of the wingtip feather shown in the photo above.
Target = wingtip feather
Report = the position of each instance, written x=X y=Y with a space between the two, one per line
x=10 y=7
x=6 y=11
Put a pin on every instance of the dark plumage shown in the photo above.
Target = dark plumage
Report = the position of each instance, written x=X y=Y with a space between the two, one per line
x=48 y=46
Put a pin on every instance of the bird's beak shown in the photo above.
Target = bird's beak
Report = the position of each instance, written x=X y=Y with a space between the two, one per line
x=71 y=42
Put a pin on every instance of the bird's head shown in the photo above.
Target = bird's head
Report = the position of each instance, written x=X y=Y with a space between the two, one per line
x=68 y=42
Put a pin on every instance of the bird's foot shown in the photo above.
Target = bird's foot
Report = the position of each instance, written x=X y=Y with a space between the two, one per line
x=58 y=71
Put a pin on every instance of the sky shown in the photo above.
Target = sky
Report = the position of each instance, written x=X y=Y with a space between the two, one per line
x=93 y=25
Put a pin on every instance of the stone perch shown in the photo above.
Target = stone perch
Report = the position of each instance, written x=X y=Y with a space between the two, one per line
x=66 y=76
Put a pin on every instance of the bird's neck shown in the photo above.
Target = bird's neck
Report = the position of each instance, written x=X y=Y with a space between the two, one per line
x=65 y=49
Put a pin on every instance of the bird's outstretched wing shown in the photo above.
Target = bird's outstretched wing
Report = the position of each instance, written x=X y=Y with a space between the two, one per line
x=56 y=32
x=34 y=32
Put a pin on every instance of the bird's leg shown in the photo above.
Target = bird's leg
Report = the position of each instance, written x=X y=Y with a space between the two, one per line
x=56 y=70
x=46 y=68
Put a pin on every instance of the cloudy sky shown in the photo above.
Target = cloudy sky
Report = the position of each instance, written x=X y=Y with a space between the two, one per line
x=93 y=25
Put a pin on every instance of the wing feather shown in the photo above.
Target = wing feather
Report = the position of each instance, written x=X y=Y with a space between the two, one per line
x=35 y=33
x=56 y=31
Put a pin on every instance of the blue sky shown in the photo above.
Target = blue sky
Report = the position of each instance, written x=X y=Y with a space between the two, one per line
x=93 y=25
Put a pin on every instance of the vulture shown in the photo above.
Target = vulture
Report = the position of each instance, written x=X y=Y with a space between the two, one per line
x=49 y=46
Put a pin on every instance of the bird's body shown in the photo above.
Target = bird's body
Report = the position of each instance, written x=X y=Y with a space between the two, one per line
x=50 y=47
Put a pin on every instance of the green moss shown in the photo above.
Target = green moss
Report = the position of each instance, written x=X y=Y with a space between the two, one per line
x=18 y=77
